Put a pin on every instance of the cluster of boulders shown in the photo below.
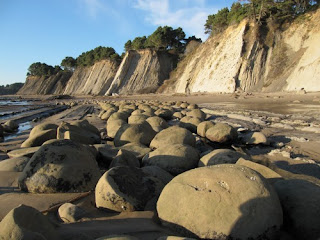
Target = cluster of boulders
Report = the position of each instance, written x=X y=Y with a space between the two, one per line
x=8 y=127
x=170 y=158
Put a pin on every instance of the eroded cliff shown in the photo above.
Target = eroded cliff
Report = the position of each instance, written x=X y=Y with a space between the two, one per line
x=253 y=58
x=142 y=71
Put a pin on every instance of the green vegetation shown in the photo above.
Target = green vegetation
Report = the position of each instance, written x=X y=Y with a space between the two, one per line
x=10 y=88
x=42 y=69
x=69 y=63
x=261 y=11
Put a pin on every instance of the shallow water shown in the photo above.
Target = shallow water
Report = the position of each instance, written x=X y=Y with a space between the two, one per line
x=22 y=127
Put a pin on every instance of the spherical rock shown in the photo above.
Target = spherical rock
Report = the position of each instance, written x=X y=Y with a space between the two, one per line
x=158 y=173
x=220 y=202
x=117 y=237
x=38 y=138
x=164 y=113
x=220 y=156
x=62 y=166
x=126 y=159
x=203 y=127
x=24 y=222
x=69 y=213
x=173 y=135
x=138 y=149
x=157 y=123
x=119 y=115
x=221 y=133
x=126 y=189
x=14 y=164
x=137 y=119
x=10 y=126
x=254 y=138
x=197 y=113
x=134 y=133
x=113 y=127
x=107 y=114
x=175 y=158
x=190 y=123
x=178 y=115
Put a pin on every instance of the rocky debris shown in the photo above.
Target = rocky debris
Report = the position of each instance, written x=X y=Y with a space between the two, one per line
x=134 y=133
x=138 y=149
x=126 y=189
x=126 y=159
x=218 y=202
x=203 y=127
x=157 y=123
x=175 y=158
x=10 y=126
x=266 y=172
x=301 y=209
x=79 y=131
x=24 y=222
x=62 y=166
x=254 y=138
x=221 y=133
x=220 y=156
x=190 y=123
x=16 y=164
x=70 y=213
x=173 y=135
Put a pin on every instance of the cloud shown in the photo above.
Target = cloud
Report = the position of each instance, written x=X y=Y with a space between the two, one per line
x=190 y=15
x=92 y=7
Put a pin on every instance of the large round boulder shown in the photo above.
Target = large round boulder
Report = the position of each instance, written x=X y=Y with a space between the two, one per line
x=138 y=149
x=158 y=173
x=203 y=127
x=24 y=222
x=62 y=166
x=173 y=135
x=107 y=114
x=10 y=126
x=14 y=164
x=175 y=158
x=220 y=202
x=39 y=137
x=221 y=133
x=134 y=133
x=157 y=123
x=113 y=127
x=164 y=113
x=137 y=119
x=220 y=156
x=190 y=123
x=197 y=113
x=126 y=159
x=126 y=189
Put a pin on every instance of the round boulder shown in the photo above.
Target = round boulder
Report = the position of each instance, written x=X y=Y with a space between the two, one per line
x=203 y=127
x=10 y=126
x=125 y=158
x=134 y=133
x=117 y=237
x=14 y=164
x=138 y=149
x=158 y=173
x=220 y=202
x=254 y=138
x=190 y=123
x=197 y=113
x=175 y=158
x=157 y=123
x=113 y=127
x=62 y=166
x=69 y=213
x=220 y=156
x=173 y=135
x=126 y=189
x=221 y=133
x=137 y=119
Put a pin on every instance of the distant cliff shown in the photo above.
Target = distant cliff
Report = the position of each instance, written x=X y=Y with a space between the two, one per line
x=253 y=58
x=54 y=84
x=142 y=71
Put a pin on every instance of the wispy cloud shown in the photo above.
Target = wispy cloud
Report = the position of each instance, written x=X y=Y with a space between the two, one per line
x=190 y=15
x=92 y=7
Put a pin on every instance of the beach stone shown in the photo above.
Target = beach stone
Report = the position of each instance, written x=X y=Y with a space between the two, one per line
x=10 y=126
x=126 y=159
x=220 y=202
x=221 y=133
x=134 y=133
x=157 y=123
x=203 y=127
x=300 y=202
x=138 y=149
x=119 y=116
x=38 y=138
x=126 y=189
x=197 y=113
x=137 y=119
x=106 y=153
x=266 y=172
x=113 y=127
x=174 y=238
x=117 y=237
x=23 y=152
x=70 y=213
x=106 y=106
x=254 y=138
x=175 y=158
x=24 y=222
x=220 y=156
x=62 y=166
x=107 y=114
x=184 y=105
x=173 y=135
x=14 y=164
x=190 y=123
x=178 y=115
x=81 y=132
x=158 y=173
x=192 y=106
x=164 y=113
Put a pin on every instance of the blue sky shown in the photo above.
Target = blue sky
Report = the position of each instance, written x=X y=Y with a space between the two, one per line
x=49 y=30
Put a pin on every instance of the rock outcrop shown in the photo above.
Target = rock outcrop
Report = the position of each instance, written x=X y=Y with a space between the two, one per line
x=142 y=71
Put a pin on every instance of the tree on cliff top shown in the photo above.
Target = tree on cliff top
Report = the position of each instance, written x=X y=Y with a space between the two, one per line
x=69 y=63
x=42 y=69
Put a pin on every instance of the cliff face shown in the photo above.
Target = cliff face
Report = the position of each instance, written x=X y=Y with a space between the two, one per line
x=253 y=59
x=92 y=80
x=55 y=84
x=142 y=71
